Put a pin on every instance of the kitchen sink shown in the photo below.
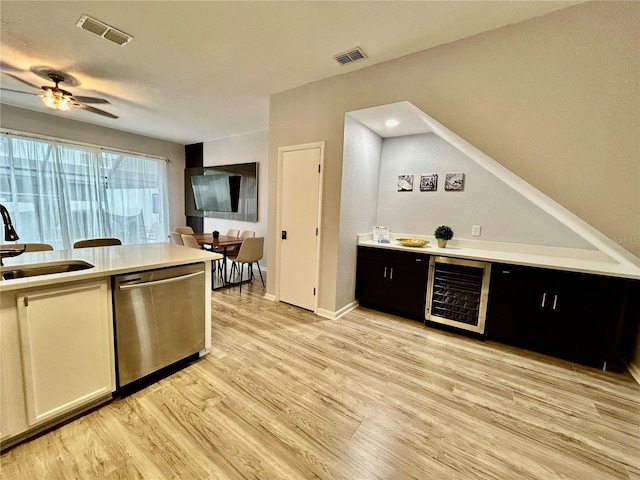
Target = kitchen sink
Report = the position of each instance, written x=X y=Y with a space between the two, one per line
x=65 y=266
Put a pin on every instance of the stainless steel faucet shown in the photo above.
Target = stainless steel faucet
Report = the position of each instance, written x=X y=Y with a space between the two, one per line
x=10 y=234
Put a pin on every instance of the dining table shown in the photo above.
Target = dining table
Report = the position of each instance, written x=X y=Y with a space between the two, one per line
x=222 y=244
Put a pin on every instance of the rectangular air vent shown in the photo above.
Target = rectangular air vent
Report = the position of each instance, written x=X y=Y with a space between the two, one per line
x=350 y=56
x=103 y=30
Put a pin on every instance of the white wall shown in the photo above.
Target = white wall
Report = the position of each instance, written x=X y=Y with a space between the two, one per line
x=251 y=147
x=503 y=214
x=359 y=201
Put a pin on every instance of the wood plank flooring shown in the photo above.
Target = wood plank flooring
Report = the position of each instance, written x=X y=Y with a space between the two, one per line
x=288 y=395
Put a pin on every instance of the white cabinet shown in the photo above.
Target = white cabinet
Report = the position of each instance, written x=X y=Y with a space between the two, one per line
x=59 y=352
x=13 y=417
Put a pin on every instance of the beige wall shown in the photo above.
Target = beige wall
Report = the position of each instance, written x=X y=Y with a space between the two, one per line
x=28 y=121
x=554 y=99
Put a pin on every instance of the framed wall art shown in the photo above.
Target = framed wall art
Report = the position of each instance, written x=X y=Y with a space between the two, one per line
x=454 y=182
x=429 y=182
x=405 y=183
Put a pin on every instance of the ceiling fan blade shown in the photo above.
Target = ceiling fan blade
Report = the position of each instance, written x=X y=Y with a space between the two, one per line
x=95 y=110
x=18 y=91
x=21 y=80
x=80 y=98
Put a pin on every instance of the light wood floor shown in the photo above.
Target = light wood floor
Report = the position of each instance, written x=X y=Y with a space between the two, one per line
x=289 y=395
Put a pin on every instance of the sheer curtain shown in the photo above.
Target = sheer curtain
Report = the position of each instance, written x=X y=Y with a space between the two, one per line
x=59 y=193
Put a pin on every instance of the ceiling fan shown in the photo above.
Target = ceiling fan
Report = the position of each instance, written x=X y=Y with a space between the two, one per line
x=59 y=99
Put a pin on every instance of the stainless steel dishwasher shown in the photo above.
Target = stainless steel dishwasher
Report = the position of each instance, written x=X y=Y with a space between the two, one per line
x=159 y=319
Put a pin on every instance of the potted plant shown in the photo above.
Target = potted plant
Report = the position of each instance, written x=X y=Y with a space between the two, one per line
x=442 y=234
x=216 y=234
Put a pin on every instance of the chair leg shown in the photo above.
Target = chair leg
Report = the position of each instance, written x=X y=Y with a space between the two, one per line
x=221 y=271
x=260 y=272
x=241 y=271
x=234 y=267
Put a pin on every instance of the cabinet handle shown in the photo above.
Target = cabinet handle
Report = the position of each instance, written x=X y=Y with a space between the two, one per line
x=555 y=302
x=385 y=273
x=391 y=275
x=544 y=299
x=129 y=286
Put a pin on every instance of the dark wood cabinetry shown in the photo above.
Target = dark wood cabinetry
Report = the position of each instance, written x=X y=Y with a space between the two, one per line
x=392 y=280
x=576 y=316
x=570 y=315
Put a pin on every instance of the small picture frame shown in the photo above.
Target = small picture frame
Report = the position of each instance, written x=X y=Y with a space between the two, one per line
x=454 y=182
x=405 y=183
x=429 y=182
x=381 y=234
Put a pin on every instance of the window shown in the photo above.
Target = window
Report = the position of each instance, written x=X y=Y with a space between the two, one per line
x=59 y=193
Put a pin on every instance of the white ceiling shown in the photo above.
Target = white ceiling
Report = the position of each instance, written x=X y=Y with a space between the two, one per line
x=201 y=70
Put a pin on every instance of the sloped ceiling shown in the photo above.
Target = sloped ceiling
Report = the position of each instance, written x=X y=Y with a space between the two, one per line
x=202 y=70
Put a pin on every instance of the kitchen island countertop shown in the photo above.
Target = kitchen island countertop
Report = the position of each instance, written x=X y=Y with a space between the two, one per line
x=107 y=261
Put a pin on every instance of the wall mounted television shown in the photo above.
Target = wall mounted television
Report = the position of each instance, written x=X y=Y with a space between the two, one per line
x=222 y=191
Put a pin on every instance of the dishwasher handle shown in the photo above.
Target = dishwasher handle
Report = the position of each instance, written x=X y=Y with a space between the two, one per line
x=159 y=282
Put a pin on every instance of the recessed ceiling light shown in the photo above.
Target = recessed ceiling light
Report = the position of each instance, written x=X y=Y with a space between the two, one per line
x=392 y=122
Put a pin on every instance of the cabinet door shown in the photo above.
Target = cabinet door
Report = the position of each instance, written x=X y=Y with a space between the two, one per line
x=584 y=312
x=569 y=315
x=371 y=278
x=13 y=416
x=66 y=337
x=515 y=313
x=408 y=286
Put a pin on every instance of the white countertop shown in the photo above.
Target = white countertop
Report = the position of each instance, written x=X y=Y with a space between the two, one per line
x=107 y=261
x=556 y=258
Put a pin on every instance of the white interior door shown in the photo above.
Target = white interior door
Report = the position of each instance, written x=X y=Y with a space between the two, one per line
x=299 y=225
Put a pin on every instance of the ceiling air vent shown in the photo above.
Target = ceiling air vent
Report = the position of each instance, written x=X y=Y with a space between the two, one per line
x=103 y=30
x=350 y=56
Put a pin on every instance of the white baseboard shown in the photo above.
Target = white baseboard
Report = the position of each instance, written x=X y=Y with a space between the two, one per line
x=337 y=314
x=270 y=296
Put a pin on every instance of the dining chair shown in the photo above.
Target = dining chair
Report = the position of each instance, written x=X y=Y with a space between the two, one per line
x=216 y=265
x=184 y=230
x=97 y=242
x=251 y=251
x=233 y=232
x=37 y=247
x=190 y=241
x=245 y=234
x=176 y=238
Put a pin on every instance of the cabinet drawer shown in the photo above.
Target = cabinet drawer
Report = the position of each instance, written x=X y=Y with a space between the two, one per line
x=393 y=256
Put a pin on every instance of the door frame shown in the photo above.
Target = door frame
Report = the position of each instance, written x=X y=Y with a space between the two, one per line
x=281 y=152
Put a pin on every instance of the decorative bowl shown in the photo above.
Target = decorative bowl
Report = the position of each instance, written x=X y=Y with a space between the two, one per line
x=412 y=242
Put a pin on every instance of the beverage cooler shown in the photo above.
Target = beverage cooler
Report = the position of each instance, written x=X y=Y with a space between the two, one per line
x=458 y=292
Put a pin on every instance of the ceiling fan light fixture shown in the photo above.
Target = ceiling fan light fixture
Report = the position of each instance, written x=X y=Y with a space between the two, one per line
x=57 y=100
